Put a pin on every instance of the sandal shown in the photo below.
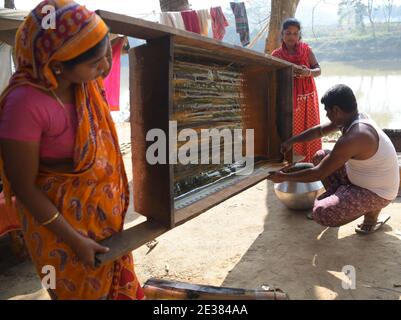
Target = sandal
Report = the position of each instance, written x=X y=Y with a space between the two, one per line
x=366 y=228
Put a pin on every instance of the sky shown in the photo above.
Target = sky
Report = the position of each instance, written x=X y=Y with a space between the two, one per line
x=147 y=6
x=133 y=7
x=326 y=11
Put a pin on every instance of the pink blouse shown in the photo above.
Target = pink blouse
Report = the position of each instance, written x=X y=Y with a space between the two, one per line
x=31 y=115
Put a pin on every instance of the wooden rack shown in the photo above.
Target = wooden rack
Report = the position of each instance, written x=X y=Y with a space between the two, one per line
x=266 y=99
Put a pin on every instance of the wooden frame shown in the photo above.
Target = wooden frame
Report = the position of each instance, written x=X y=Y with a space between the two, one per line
x=10 y=20
x=152 y=106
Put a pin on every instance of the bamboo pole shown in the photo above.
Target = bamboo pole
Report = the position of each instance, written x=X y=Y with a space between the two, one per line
x=158 y=289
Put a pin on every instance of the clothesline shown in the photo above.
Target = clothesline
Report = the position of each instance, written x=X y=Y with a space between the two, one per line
x=197 y=21
x=241 y=22
x=155 y=12
x=264 y=20
x=263 y=30
x=251 y=44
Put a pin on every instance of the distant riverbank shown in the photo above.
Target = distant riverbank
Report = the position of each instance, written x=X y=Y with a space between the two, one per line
x=386 y=46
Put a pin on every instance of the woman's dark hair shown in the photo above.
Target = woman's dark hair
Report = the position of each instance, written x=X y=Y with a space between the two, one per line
x=291 y=22
x=341 y=96
x=87 y=55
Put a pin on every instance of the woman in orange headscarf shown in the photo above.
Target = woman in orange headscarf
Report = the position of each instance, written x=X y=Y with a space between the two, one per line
x=60 y=152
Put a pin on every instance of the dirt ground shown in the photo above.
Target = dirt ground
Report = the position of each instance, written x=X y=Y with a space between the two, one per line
x=252 y=240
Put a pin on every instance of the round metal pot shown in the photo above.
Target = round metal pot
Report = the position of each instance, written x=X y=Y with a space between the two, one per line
x=298 y=195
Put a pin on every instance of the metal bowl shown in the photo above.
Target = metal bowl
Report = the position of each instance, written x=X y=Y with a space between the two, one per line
x=298 y=195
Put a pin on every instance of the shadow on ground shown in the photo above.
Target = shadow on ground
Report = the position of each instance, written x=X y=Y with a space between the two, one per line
x=306 y=260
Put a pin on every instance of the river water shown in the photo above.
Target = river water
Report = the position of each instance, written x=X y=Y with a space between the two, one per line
x=376 y=84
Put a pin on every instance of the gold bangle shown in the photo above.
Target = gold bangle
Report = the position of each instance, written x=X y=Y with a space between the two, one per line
x=51 y=219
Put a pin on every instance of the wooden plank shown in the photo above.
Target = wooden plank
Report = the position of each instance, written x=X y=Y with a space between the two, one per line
x=146 y=30
x=226 y=56
x=285 y=105
x=274 y=140
x=151 y=94
x=399 y=166
x=134 y=27
x=8 y=36
x=9 y=23
x=255 y=107
x=128 y=240
x=187 y=213
x=235 y=53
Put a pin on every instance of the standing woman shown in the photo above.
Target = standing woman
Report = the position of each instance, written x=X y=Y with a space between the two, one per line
x=306 y=102
x=60 y=154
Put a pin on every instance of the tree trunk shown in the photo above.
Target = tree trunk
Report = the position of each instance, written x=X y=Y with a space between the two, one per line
x=371 y=13
x=174 y=5
x=388 y=7
x=9 y=4
x=280 y=10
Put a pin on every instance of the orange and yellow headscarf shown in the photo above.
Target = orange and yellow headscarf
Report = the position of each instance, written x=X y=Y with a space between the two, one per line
x=76 y=30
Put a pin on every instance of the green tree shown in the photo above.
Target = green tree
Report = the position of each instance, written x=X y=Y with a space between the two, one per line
x=388 y=11
x=371 y=12
x=360 y=12
x=351 y=13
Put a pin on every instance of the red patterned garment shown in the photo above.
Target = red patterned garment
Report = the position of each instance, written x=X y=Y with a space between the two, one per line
x=191 y=21
x=343 y=201
x=306 y=102
x=219 y=23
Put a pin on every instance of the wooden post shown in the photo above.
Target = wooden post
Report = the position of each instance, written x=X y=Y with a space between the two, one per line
x=280 y=10
x=151 y=104
x=284 y=116
x=9 y=4
x=174 y=5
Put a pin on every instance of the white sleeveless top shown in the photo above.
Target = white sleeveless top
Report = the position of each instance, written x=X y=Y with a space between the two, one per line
x=379 y=174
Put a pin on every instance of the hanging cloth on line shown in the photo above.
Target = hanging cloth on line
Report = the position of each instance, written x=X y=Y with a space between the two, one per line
x=241 y=21
x=191 y=21
x=112 y=81
x=172 y=19
x=197 y=21
x=219 y=23
x=204 y=17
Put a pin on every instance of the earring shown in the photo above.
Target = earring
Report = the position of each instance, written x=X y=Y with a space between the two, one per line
x=57 y=71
